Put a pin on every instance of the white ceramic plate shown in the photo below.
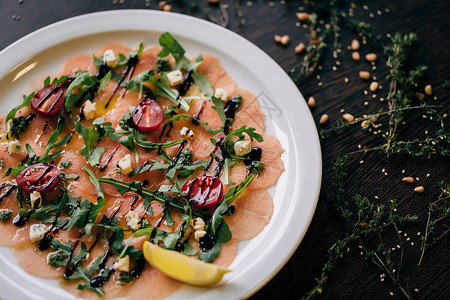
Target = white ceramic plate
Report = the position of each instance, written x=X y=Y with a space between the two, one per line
x=287 y=116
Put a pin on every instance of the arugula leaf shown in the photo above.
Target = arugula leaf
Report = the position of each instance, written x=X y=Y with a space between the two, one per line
x=79 y=89
x=19 y=125
x=100 y=195
x=92 y=136
x=218 y=107
x=239 y=133
x=150 y=146
x=217 y=227
x=128 y=142
x=171 y=46
x=86 y=275
x=11 y=115
x=204 y=124
x=104 y=81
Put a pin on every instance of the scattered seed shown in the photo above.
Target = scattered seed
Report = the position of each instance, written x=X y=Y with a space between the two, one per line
x=277 y=38
x=302 y=16
x=418 y=233
x=391 y=293
x=365 y=104
x=320 y=84
x=167 y=7
x=371 y=57
x=428 y=175
x=323 y=119
x=417 y=178
x=428 y=90
x=346 y=79
x=374 y=86
x=356 y=56
x=311 y=102
x=285 y=40
x=300 y=48
x=416 y=290
x=419 y=189
x=412 y=243
x=382 y=279
x=408 y=179
x=334 y=68
x=361 y=162
x=364 y=75
x=355 y=45
x=348 y=117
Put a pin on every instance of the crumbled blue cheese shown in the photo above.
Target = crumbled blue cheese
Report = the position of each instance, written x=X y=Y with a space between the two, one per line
x=187 y=133
x=242 y=148
x=199 y=234
x=123 y=264
x=89 y=109
x=198 y=224
x=110 y=58
x=175 y=77
x=221 y=93
x=14 y=147
x=132 y=219
x=124 y=164
x=37 y=232
x=35 y=199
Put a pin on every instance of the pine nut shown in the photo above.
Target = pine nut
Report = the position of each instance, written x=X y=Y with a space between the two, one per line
x=348 y=117
x=277 y=38
x=355 y=56
x=167 y=7
x=355 y=45
x=323 y=119
x=300 y=47
x=285 y=40
x=302 y=16
x=374 y=86
x=419 y=189
x=371 y=57
x=408 y=179
x=364 y=75
x=428 y=90
x=311 y=102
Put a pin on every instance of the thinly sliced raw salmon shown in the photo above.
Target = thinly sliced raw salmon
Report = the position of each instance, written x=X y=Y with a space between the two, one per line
x=35 y=262
x=151 y=285
x=216 y=74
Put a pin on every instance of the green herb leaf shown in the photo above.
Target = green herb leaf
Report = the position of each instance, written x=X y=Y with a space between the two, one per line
x=11 y=115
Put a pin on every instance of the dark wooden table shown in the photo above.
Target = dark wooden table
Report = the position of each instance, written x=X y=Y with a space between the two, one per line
x=353 y=278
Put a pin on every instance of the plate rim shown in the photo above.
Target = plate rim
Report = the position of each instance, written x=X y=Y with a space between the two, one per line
x=29 y=38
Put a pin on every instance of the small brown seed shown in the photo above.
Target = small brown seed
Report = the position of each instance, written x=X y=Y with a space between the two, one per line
x=371 y=57
x=356 y=56
x=374 y=86
x=311 y=102
x=419 y=189
x=364 y=124
x=420 y=96
x=302 y=16
x=323 y=119
x=364 y=75
x=355 y=45
x=277 y=38
x=167 y=7
x=300 y=48
x=428 y=90
x=285 y=40
x=408 y=179
x=348 y=117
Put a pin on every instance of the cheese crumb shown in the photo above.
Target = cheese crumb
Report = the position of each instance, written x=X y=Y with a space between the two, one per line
x=175 y=77
x=123 y=264
x=221 y=93
x=110 y=58
x=124 y=164
x=132 y=219
x=14 y=147
x=242 y=148
x=37 y=232
x=35 y=199
x=199 y=234
x=187 y=133
x=89 y=109
x=199 y=224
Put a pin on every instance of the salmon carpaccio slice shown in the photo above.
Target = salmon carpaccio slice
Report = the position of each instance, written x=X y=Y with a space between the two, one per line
x=253 y=209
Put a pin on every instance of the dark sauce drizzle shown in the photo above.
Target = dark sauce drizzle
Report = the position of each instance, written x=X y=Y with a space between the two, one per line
x=128 y=71
x=196 y=117
x=103 y=168
x=43 y=131
x=186 y=84
x=177 y=157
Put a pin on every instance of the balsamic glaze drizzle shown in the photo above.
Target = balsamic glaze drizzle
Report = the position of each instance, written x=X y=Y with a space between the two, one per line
x=128 y=71
x=103 y=168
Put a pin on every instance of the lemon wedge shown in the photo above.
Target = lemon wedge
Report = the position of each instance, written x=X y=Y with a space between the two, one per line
x=183 y=268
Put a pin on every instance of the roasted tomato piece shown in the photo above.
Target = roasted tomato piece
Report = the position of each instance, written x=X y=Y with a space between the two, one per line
x=49 y=100
x=38 y=178
x=147 y=116
x=206 y=191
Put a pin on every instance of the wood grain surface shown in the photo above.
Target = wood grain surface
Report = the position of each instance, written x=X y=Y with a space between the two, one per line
x=353 y=277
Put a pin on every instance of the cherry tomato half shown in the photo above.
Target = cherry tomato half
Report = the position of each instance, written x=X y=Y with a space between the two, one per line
x=206 y=191
x=38 y=178
x=147 y=116
x=49 y=100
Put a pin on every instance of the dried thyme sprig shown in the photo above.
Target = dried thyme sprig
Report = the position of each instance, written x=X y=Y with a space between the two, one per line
x=440 y=211
x=364 y=219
